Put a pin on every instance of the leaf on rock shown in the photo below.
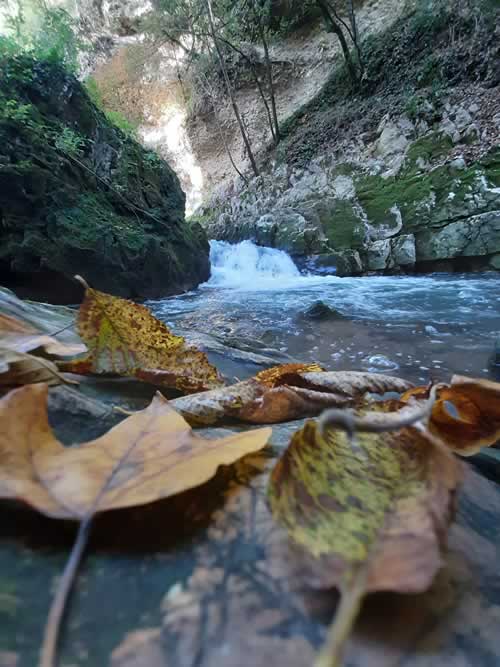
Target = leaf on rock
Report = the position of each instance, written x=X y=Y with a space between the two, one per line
x=466 y=414
x=19 y=368
x=367 y=515
x=125 y=339
x=283 y=393
x=151 y=455
x=22 y=337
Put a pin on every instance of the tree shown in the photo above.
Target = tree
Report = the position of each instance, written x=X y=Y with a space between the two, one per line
x=346 y=31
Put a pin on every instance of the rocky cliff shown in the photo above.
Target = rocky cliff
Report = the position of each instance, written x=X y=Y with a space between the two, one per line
x=78 y=196
x=403 y=173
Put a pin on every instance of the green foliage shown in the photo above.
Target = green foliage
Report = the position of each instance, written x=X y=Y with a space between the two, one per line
x=44 y=32
x=93 y=91
x=69 y=142
x=119 y=120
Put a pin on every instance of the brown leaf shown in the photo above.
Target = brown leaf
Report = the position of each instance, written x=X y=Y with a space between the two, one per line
x=151 y=455
x=365 y=515
x=18 y=368
x=22 y=337
x=283 y=393
x=125 y=339
x=466 y=416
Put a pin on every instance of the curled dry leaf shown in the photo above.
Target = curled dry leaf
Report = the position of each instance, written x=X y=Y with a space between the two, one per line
x=124 y=338
x=19 y=368
x=466 y=415
x=365 y=515
x=22 y=337
x=151 y=455
x=283 y=393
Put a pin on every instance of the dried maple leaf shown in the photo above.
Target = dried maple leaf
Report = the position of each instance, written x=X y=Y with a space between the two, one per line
x=150 y=455
x=365 y=515
x=283 y=393
x=466 y=414
x=22 y=337
x=19 y=368
x=125 y=339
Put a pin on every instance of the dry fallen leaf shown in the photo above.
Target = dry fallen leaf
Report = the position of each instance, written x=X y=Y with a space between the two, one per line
x=19 y=368
x=365 y=515
x=466 y=415
x=22 y=337
x=150 y=455
x=125 y=339
x=283 y=393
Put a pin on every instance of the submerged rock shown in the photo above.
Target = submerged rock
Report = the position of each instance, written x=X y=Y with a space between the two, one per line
x=320 y=311
x=79 y=196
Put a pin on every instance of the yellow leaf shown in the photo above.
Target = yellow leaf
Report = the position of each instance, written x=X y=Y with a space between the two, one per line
x=151 y=455
x=365 y=515
x=125 y=339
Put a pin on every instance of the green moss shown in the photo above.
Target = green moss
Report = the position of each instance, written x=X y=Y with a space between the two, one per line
x=429 y=148
x=424 y=198
x=343 y=227
x=90 y=221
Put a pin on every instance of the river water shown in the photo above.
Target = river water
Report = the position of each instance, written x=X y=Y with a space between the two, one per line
x=419 y=327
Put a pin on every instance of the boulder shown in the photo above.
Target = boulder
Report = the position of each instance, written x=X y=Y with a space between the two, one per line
x=349 y=263
x=379 y=255
x=79 y=196
x=403 y=250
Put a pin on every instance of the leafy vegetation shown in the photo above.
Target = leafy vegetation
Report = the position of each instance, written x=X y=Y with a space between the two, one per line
x=43 y=31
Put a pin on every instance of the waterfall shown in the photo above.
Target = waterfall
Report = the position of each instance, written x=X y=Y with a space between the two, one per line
x=248 y=265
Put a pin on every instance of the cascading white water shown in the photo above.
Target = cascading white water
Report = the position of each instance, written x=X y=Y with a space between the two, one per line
x=248 y=265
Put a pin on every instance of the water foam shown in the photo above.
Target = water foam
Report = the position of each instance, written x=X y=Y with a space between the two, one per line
x=246 y=265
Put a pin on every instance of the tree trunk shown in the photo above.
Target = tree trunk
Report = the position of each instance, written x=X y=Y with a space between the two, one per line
x=335 y=28
x=355 y=36
x=270 y=82
x=234 y=104
x=257 y=83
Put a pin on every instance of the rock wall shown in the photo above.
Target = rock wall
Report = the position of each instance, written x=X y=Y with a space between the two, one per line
x=418 y=192
x=78 y=196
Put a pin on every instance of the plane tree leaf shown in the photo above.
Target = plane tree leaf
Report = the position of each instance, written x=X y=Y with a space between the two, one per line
x=466 y=414
x=124 y=338
x=150 y=455
x=283 y=393
x=369 y=514
x=20 y=368
x=22 y=337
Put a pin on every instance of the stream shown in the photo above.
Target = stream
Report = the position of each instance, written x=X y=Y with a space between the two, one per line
x=419 y=327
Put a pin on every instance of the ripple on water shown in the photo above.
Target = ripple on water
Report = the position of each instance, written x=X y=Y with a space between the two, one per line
x=378 y=362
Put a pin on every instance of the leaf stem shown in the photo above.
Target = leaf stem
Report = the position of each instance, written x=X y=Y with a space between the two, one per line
x=53 y=626
x=377 y=422
x=340 y=629
x=68 y=326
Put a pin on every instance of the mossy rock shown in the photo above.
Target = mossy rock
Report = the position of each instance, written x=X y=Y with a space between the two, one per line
x=433 y=198
x=79 y=196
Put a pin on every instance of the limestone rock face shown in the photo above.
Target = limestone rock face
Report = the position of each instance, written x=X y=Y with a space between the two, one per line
x=77 y=196
x=420 y=201
x=477 y=235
